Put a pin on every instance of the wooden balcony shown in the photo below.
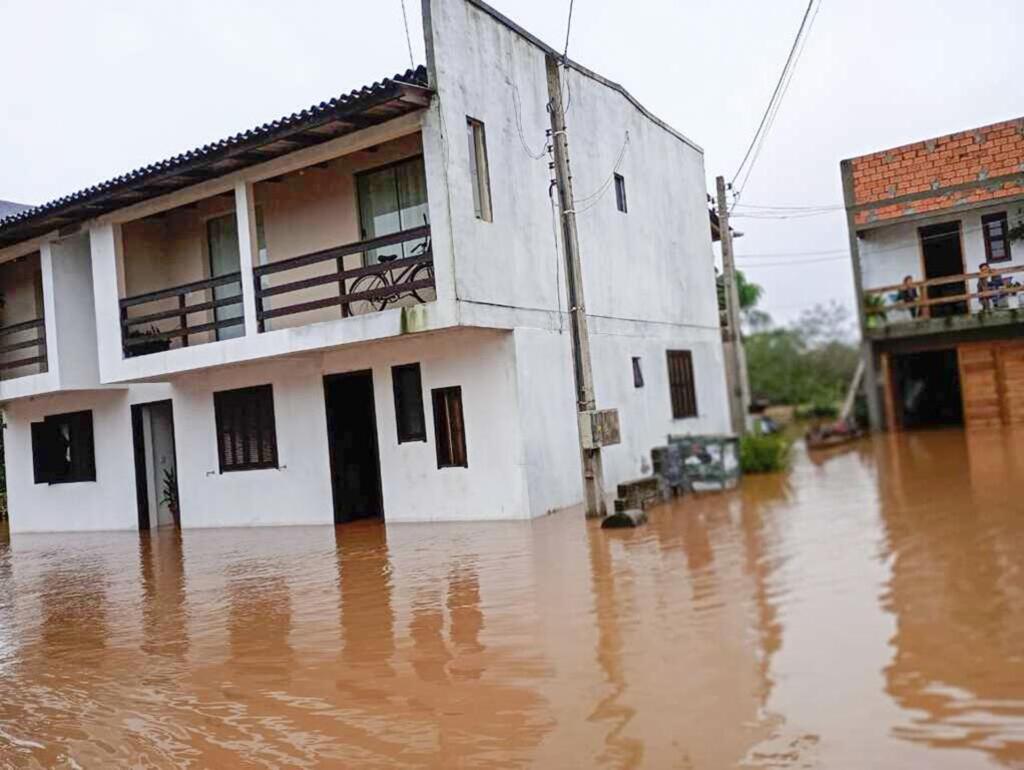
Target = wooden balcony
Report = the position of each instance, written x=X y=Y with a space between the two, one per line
x=31 y=338
x=945 y=304
x=403 y=274
x=146 y=329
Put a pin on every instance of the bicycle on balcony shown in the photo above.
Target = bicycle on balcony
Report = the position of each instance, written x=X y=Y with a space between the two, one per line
x=412 y=284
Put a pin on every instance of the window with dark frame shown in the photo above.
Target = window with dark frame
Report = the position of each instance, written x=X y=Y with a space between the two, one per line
x=620 y=193
x=408 y=387
x=246 y=433
x=997 y=245
x=638 y=373
x=681 y=384
x=479 y=171
x=449 y=428
x=62 y=449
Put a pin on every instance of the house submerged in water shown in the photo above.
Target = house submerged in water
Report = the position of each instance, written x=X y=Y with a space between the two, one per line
x=941 y=285
x=358 y=310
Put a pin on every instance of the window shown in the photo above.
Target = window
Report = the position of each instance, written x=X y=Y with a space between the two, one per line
x=62 y=449
x=392 y=198
x=246 y=436
x=412 y=425
x=620 y=193
x=997 y=246
x=479 y=175
x=680 y=383
x=449 y=428
x=638 y=373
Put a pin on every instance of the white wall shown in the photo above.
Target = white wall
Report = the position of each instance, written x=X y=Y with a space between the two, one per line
x=107 y=503
x=74 y=313
x=890 y=253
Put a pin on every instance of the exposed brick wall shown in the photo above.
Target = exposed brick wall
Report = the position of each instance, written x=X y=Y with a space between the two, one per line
x=979 y=156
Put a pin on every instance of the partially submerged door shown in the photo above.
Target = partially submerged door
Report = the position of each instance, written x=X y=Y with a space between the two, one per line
x=352 y=438
x=943 y=257
x=222 y=237
x=156 y=475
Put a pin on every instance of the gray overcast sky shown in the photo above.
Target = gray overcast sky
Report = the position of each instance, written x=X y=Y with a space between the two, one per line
x=94 y=89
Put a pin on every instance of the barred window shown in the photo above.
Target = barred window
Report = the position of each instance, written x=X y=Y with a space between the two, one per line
x=681 y=384
x=449 y=428
x=246 y=434
x=62 y=449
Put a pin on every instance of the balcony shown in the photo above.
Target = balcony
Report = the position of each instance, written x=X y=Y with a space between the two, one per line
x=397 y=270
x=945 y=304
x=22 y=326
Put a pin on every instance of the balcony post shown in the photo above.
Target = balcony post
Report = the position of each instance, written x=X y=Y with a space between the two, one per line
x=248 y=251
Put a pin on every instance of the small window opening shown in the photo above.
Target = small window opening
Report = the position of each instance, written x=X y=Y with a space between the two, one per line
x=681 y=384
x=449 y=428
x=997 y=245
x=408 y=389
x=638 y=373
x=620 y=193
x=63 y=450
x=246 y=433
x=480 y=175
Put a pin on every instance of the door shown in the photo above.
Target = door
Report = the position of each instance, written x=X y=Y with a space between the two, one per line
x=156 y=473
x=222 y=238
x=943 y=256
x=352 y=442
x=391 y=199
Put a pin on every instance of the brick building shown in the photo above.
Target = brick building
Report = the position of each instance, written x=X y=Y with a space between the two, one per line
x=939 y=279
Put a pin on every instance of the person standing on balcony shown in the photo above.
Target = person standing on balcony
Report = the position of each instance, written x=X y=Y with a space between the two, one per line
x=988 y=282
x=909 y=294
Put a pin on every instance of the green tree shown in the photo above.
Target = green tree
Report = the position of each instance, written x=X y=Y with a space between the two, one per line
x=750 y=295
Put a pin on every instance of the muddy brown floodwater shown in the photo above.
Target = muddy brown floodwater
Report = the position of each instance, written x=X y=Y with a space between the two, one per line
x=865 y=610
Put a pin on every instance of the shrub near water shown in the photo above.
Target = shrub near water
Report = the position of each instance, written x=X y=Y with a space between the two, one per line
x=764 y=453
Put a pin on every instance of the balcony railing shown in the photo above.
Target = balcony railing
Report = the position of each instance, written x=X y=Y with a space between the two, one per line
x=155 y=331
x=393 y=279
x=36 y=344
x=943 y=297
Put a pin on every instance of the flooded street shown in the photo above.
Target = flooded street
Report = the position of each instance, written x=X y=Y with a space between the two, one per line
x=864 y=610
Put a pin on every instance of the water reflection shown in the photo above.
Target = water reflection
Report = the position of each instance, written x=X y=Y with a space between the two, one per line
x=865 y=610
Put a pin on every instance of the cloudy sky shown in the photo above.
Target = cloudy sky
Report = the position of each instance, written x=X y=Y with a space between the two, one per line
x=93 y=89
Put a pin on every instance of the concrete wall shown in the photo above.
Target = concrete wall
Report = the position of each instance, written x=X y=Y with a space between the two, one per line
x=890 y=253
x=107 y=503
x=73 y=313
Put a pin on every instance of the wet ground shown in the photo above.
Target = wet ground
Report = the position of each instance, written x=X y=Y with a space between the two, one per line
x=865 y=610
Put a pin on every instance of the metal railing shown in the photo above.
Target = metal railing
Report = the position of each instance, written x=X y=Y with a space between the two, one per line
x=941 y=297
x=393 y=278
x=38 y=342
x=145 y=333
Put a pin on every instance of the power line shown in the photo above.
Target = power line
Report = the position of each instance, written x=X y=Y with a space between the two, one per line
x=408 y=39
x=775 y=97
x=568 y=29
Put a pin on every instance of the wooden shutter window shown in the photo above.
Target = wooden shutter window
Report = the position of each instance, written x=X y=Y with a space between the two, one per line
x=62 y=449
x=449 y=428
x=408 y=388
x=997 y=244
x=246 y=430
x=681 y=384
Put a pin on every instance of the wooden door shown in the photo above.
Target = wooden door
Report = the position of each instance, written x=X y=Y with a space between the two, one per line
x=1011 y=376
x=979 y=385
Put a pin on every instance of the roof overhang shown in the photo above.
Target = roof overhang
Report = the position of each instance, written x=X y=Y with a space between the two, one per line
x=367 y=107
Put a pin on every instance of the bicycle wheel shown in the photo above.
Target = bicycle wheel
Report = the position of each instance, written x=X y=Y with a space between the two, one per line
x=423 y=273
x=368 y=305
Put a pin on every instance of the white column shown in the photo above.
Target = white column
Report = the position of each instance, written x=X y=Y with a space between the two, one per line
x=108 y=287
x=49 y=310
x=248 y=251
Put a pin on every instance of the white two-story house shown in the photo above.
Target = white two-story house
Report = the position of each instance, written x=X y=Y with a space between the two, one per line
x=359 y=309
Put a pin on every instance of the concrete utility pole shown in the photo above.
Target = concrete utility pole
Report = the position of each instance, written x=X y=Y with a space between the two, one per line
x=593 y=473
x=739 y=390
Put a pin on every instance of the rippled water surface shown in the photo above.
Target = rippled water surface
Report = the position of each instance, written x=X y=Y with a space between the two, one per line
x=864 y=611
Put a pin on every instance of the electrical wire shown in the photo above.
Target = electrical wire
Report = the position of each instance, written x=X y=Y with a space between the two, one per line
x=568 y=29
x=408 y=39
x=591 y=200
x=753 y=150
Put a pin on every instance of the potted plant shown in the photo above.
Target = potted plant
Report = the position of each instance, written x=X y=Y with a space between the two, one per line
x=170 y=493
x=146 y=345
x=874 y=306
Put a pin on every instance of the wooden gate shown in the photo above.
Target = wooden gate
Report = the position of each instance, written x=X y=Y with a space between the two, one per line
x=992 y=383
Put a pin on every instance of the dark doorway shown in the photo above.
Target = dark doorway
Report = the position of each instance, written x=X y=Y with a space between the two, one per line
x=352 y=438
x=927 y=389
x=156 y=471
x=940 y=245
